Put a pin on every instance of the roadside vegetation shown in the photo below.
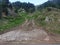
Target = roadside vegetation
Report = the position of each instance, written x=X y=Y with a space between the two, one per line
x=10 y=22
x=49 y=20
x=47 y=17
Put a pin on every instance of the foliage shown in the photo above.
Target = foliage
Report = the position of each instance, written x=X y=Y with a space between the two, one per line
x=3 y=7
x=49 y=4
x=28 y=7
x=10 y=22
x=53 y=23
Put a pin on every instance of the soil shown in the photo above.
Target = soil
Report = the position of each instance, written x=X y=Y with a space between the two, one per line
x=28 y=33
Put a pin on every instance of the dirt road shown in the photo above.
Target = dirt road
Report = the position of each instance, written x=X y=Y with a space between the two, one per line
x=26 y=34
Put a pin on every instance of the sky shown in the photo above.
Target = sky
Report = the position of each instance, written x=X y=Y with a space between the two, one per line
x=35 y=2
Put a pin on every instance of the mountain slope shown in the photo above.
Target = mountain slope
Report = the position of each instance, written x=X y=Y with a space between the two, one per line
x=50 y=4
x=49 y=19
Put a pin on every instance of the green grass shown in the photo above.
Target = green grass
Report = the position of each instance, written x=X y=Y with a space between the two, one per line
x=11 y=22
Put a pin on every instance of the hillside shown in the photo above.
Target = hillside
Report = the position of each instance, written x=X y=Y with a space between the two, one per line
x=26 y=23
x=49 y=19
x=37 y=27
x=50 y=3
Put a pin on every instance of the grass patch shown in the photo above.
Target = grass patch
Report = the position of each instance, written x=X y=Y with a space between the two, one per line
x=10 y=23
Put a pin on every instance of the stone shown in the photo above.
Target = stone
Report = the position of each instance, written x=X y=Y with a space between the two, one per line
x=47 y=19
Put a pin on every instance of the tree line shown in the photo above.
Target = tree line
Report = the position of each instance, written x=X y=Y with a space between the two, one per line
x=49 y=4
x=28 y=7
x=5 y=4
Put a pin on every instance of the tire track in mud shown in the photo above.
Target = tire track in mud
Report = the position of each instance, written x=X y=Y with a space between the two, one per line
x=27 y=32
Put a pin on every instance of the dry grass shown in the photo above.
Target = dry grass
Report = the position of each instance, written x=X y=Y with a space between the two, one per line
x=53 y=23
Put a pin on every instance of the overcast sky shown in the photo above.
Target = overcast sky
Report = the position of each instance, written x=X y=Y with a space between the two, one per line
x=36 y=2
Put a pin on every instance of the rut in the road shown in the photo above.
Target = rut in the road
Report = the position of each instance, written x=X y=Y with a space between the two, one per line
x=28 y=32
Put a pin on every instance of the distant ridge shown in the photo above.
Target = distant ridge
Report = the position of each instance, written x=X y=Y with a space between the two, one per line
x=55 y=1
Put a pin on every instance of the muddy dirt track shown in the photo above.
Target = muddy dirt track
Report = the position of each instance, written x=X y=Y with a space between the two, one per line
x=26 y=34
